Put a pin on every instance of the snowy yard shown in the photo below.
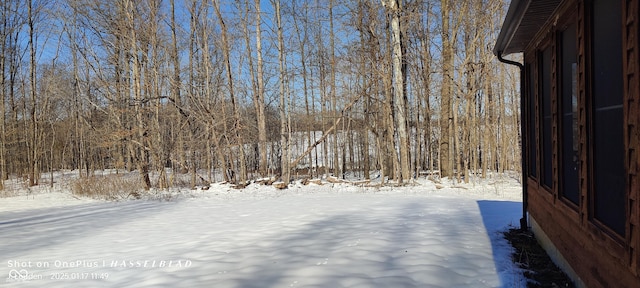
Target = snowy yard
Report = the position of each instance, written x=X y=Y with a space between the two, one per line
x=332 y=235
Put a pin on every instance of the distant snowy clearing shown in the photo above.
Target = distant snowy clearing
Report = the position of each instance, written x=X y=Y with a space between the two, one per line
x=331 y=235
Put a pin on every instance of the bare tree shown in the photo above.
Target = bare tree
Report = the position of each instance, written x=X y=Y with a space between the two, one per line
x=176 y=94
x=141 y=150
x=284 y=141
x=302 y=41
x=34 y=144
x=400 y=104
x=236 y=112
x=5 y=30
x=446 y=93
x=259 y=97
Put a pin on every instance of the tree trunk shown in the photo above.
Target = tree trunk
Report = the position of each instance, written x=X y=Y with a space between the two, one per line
x=236 y=110
x=142 y=149
x=262 y=126
x=284 y=143
x=333 y=96
x=400 y=104
x=33 y=140
x=302 y=39
x=446 y=92
x=3 y=120
x=176 y=95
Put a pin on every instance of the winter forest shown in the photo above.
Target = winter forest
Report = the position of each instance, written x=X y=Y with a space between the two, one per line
x=239 y=90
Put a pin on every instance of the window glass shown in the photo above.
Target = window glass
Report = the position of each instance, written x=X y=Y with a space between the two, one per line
x=531 y=132
x=545 y=90
x=608 y=147
x=569 y=115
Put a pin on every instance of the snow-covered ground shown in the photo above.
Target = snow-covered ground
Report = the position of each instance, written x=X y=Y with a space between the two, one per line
x=331 y=235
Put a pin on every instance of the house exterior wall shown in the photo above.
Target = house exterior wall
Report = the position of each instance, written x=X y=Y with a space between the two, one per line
x=599 y=256
x=554 y=253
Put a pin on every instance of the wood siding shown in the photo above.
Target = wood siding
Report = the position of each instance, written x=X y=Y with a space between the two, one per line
x=599 y=257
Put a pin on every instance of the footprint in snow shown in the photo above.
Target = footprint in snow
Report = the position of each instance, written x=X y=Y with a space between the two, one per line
x=326 y=260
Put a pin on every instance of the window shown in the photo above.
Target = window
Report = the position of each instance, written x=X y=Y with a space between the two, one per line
x=569 y=116
x=531 y=115
x=545 y=91
x=607 y=108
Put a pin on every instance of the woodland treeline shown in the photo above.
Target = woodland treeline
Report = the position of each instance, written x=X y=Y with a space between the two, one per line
x=236 y=90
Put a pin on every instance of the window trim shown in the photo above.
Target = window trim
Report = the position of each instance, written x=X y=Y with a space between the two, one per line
x=570 y=18
x=590 y=113
x=547 y=44
x=531 y=119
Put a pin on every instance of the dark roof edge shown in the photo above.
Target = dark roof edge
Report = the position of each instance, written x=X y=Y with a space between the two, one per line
x=517 y=8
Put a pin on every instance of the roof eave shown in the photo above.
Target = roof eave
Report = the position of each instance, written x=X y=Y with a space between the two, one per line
x=512 y=21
